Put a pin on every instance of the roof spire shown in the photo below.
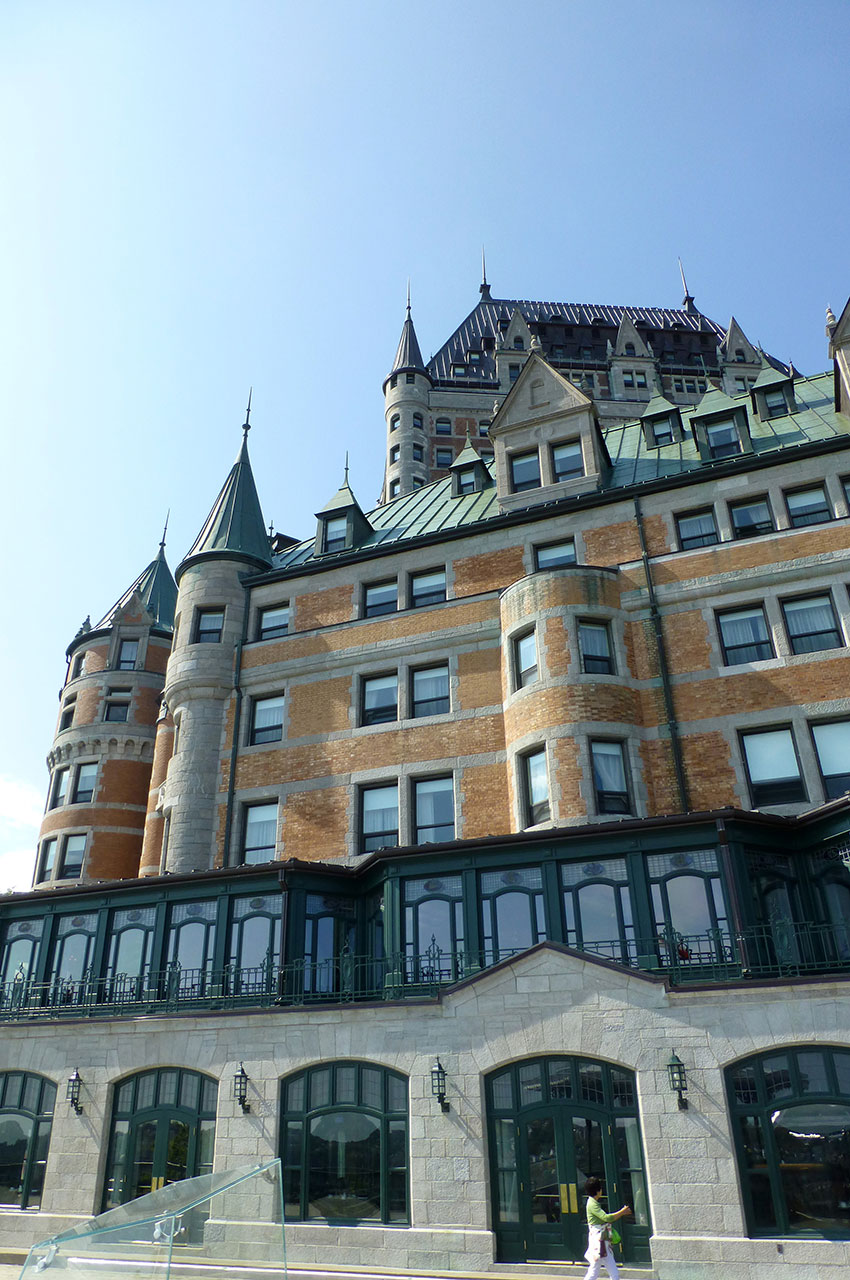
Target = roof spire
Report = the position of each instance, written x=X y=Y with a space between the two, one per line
x=164 y=530
x=484 y=288
x=346 y=465
x=408 y=297
x=246 y=425
x=687 y=301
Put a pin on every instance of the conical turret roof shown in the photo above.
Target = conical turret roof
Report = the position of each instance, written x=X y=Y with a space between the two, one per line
x=235 y=525
x=408 y=355
x=157 y=589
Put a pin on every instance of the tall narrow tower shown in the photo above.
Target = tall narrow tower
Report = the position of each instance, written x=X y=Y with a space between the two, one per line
x=407 y=392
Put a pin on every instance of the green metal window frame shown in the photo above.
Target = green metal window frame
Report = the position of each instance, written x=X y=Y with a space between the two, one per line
x=17 y=1090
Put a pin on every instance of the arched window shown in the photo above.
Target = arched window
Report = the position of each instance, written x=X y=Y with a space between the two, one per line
x=26 y=1114
x=598 y=908
x=344 y=1144
x=255 y=925
x=434 y=928
x=691 y=920
x=791 y=1119
x=20 y=945
x=512 y=912
x=629 y=348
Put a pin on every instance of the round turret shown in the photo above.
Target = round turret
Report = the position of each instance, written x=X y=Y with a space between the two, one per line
x=407 y=398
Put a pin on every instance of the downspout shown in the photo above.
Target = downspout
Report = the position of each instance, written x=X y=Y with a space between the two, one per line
x=664 y=670
x=237 y=722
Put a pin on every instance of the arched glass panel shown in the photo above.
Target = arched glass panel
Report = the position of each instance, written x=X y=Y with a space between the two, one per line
x=512 y=912
x=129 y=954
x=598 y=908
x=689 y=907
x=26 y=1115
x=70 y=977
x=191 y=938
x=329 y=929
x=344 y=1144
x=20 y=944
x=433 y=928
x=791 y=1112
x=254 y=943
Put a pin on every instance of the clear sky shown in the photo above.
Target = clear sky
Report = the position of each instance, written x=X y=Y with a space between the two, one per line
x=200 y=196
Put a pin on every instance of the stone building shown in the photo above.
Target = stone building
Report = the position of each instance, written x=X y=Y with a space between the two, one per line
x=485 y=840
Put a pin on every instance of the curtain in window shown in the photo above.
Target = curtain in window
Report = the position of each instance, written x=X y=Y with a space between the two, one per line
x=744 y=628
x=380 y=809
x=771 y=755
x=806 y=616
x=268 y=713
x=608 y=771
x=435 y=803
x=833 y=746
x=430 y=685
x=594 y=640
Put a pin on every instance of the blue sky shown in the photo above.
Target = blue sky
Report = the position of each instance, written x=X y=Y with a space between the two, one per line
x=198 y=197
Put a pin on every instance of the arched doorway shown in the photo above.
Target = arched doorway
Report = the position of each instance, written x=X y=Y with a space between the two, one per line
x=552 y=1123
x=163 y=1130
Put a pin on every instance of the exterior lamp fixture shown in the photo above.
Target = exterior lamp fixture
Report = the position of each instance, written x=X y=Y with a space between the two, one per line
x=240 y=1088
x=72 y=1093
x=438 y=1084
x=678 y=1079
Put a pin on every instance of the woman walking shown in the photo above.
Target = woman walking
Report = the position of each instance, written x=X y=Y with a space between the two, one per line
x=599 y=1247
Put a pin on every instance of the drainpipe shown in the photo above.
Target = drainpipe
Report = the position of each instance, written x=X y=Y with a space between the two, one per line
x=237 y=720
x=666 y=687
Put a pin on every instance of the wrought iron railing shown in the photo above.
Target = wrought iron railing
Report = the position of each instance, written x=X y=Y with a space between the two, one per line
x=780 y=950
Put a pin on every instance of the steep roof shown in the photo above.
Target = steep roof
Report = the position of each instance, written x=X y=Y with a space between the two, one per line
x=408 y=355
x=235 y=525
x=158 y=592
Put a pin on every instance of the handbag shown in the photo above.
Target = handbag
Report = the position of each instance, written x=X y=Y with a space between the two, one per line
x=615 y=1236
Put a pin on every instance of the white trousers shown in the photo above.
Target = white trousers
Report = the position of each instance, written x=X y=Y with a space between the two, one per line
x=595 y=1268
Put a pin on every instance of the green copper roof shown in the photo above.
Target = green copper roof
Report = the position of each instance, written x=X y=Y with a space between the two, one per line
x=158 y=591
x=714 y=401
x=769 y=377
x=468 y=455
x=658 y=405
x=235 y=525
x=343 y=500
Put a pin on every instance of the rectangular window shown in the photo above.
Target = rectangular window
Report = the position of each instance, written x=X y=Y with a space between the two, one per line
x=811 y=624
x=417 y=422
x=395 y=451
x=73 y=853
x=690 y=386
x=260 y=833
x=484 y=427
x=466 y=480
x=513 y=372
x=832 y=743
x=430 y=692
x=273 y=622
x=47 y=860
x=434 y=804
x=749 y=519
x=595 y=646
x=722 y=438
x=379 y=699
x=640 y=379
x=336 y=533
x=127 y=655
x=772 y=767
x=427 y=588
x=807 y=506
x=525 y=660
x=395 y=486
x=444 y=458
x=84 y=784
x=525 y=471
x=60 y=788
x=117 y=708
x=609 y=777
x=555 y=554
x=696 y=529
x=380 y=597
x=628 y=378
x=567 y=461
x=209 y=624
x=775 y=403
x=394 y=421
x=458 y=370
x=417 y=453
x=266 y=720
x=662 y=431
x=744 y=636
x=77 y=665
x=535 y=782
x=378 y=818
x=443 y=427
x=67 y=717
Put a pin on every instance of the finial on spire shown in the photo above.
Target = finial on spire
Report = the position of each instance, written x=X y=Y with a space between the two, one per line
x=271 y=530
x=164 y=530
x=346 y=456
x=246 y=426
x=484 y=288
x=408 y=297
x=687 y=301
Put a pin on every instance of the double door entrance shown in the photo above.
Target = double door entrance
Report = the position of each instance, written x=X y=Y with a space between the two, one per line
x=162 y=1152
x=558 y=1153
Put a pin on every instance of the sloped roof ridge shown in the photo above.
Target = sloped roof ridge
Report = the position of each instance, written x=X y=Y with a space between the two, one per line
x=235 y=522
x=157 y=590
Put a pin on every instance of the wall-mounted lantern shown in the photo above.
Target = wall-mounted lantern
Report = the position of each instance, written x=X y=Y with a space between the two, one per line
x=72 y=1093
x=678 y=1079
x=240 y=1088
x=438 y=1084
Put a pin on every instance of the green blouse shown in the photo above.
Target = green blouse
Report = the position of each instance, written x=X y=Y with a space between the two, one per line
x=596 y=1215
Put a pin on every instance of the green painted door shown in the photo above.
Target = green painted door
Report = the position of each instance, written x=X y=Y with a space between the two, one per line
x=558 y=1151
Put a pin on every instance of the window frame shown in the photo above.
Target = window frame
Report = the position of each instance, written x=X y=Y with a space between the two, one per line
x=61 y=866
x=40 y=1119
x=559 y=564
x=608 y=666
x=534 y=813
x=276 y=630
x=820 y=514
x=717 y=452
x=364 y=837
x=80 y=795
x=117 y=701
x=121 y=662
x=612 y=802
x=376 y=716
x=425 y=599
x=332 y=540
x=443 y=427
x=730 y=658
x=834 y=784
x=443 y=457
x=415 y=713
x=418 y=827
x=524 y=456
x=244 y=850
x=741 y=534
x=208 y=635
x=377 y=611
x=772 y=792
x=793 y=638
x=561 y=477
x=691 y=542
x=262 y=735
x=524 y=676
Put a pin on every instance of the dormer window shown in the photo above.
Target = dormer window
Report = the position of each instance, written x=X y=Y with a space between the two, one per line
x=519 y=345
x=722 y=438
x=628 y=378
x=640 y=379
x=739 y=356
x=474 y=357
x=567 y=461
x=629 y=349
x=525 y=471
x=466 y=480
x=458 y=370
x=662 y=431
x=335 y=534
x=775 y=403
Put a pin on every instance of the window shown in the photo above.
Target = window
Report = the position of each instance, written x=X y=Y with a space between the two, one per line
x=344 y=1144
x=266 y=720
x=434 y=806
x=427 y=588
x=525 y=659
x=84 y=784
x=417 y=421
x=443 y=427
x=519 y=345
x=395 y=452
x=73 y=853
x=209 y=624
x=77 y=665
x=410 y=378
x=444 y=457
x=662 y=431
x=790 y=1112
x=60 y=788
x=775 y=403
x=430 y=692
x=554 y=554
x=739 y=355
x=117 y=706
x=46 y=860
x=378 y=818
x=811 y=624
x=696 y=529
x=722 y=438
x=640 y=379
x=127 y=655
x=749 y=519
x=259 y=837
x=67 y=717
x=513 y=372
x=417 y=453
x=594 y=643
x=567 y=461
x=379 y=699
x=690 y=915
x=807 y=506
x=609 y=777
x=484 y=427
x=628 y=378
x=273 y=622
x=772 y=767
x=466 y=480
x=418 y=482
x=380 y=597
x=744 y=636
x=394 y=421
x=473 y=357
x=26 y=1116
x=535 y=785
x=525 y=471
x=629 y=349
x=335 y=533
x=395 y=486
x=832 y=744
x=458 y=370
